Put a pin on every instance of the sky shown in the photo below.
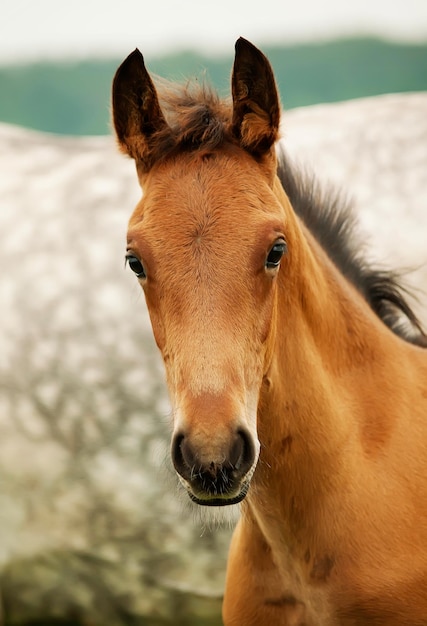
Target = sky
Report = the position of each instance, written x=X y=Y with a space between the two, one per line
x=44 y=29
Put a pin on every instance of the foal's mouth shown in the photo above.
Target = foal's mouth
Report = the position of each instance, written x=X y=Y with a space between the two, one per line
x=213 y=495
x=218 y=500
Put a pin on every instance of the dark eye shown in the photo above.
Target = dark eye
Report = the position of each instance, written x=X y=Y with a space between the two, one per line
x=135 y=265
x=275 y=255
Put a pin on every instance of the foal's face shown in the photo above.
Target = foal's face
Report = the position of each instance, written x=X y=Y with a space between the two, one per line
x=207 y=240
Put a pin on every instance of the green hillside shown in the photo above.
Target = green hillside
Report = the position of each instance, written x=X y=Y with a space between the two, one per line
x=74 y=98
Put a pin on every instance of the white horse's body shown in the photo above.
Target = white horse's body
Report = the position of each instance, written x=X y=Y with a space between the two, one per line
x=83 y=410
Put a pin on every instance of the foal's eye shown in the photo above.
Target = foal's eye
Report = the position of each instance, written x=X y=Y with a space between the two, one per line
x=275 y=255
x=135 y=265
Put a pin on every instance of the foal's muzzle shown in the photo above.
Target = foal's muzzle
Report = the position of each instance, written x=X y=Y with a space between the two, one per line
x=215 y=475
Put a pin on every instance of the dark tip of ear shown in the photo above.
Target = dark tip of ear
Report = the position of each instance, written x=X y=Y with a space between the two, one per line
x=136 y=56
x=246 y=49
x=132 y=65
x=136 y=53
x=242 y=44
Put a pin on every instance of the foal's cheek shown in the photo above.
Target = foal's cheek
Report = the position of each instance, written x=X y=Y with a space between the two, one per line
x=266 y=313
x=158 y=327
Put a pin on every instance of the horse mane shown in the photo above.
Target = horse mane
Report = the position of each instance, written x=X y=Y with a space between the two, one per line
x=198 y=119
x=330 y=217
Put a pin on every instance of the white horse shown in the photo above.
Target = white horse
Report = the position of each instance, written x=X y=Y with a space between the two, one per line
x=83 y=411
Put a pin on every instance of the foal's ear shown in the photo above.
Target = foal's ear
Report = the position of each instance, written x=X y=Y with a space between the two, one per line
x=256 y=107
x=136 y=111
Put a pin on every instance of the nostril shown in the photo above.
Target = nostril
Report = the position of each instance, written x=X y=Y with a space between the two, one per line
x=237 y=451
x=187 y=454
x=183 y=458
x=176 y=453
x=242 y=454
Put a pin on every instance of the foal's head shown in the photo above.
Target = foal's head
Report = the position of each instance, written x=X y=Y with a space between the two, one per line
x=206 y=243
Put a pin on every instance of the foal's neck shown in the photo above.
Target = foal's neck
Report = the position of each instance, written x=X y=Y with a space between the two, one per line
x=310 y=410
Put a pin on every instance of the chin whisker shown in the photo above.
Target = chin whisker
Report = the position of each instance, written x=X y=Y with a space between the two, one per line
x=212 y=517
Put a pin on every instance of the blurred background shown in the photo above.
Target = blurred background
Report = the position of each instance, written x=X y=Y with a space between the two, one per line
x=57 y=59
x=94 y=530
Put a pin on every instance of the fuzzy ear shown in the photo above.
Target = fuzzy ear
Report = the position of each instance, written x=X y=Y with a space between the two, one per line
x=256 y=107
x=136 y=111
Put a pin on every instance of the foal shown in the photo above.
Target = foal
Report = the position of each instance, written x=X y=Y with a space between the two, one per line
x=294 y=386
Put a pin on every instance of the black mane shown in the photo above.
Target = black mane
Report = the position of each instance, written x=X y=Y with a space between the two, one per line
x=330 y=218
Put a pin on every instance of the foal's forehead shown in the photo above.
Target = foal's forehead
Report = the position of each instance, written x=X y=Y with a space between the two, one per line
x=228 y=183
x=202 y=212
